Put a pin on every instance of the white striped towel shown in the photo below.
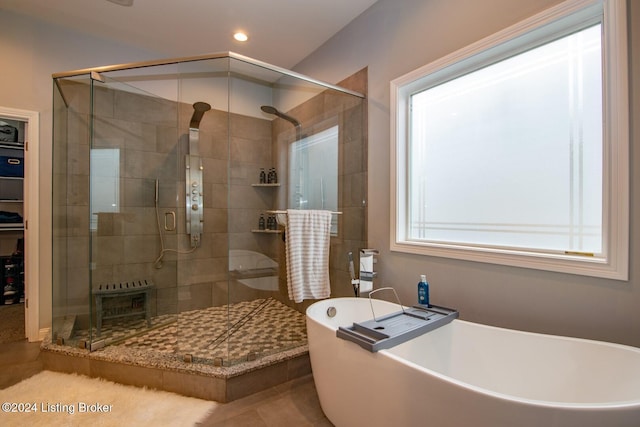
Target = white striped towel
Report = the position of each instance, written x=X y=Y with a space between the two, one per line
x=307 y=250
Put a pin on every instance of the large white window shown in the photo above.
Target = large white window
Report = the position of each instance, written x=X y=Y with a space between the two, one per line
x=515 y=150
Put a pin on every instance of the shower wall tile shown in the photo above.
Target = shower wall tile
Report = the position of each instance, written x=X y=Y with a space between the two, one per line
x=139 y=221
x=171 y=241
x=353 y=186
x=103 y=101
x=78 y=251
x=110 y=224
x=353 y=131
x=254 y=151
x=59 y=225
x=141 y=164
x=219 y=244
x=353 y=226
x=144 y=109
x=202 y=270
x=77 y=95
x=249 y=173
x=77 y=221
x=170 y=192
x=139 y=192
x=215 y=196
x=77 y=190
x=164 y=277
x=248 y=127
x=131 y=272
x=194 y=297
x=140 y=248
x=102 y=275
x=78 y=284
x=213 y=146
x=251 y=241
x=247 y=197
x=214 y=170
x=60 y=162
x=216 y=220
x=77 y=156
x=143 y=140
x=166 y=139
x=204 y=251
x=354 y=159
x=167 y=300
x=108 y=250
x=243 y=220
x=114 y=133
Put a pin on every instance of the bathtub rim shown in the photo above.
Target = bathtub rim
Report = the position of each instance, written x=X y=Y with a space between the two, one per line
x=625 y=404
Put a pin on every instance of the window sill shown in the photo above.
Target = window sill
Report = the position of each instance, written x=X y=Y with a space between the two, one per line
x=584 y=265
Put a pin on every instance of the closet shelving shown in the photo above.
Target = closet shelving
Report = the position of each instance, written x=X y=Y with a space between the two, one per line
x=11 y=185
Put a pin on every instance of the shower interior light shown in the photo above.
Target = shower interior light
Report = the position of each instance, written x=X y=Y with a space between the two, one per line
x=240 y=36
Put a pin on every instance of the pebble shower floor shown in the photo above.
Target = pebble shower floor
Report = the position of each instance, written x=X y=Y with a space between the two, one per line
x=234 y=334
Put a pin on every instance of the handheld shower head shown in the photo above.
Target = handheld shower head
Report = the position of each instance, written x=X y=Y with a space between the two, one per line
x=273 y=110
x=199 y=108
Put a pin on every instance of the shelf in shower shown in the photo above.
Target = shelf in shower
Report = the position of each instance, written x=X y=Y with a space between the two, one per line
x=277 y=184
x=267 y=231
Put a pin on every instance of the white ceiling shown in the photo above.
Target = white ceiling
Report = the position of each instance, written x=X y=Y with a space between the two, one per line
x=281 y=32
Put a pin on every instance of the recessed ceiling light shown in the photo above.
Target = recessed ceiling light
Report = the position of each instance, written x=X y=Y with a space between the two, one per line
x=123 y=2
x=240 y=36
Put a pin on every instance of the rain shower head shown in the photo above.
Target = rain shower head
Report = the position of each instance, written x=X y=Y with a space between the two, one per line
x=269 y=109
x=199 y=108
x=273 y=110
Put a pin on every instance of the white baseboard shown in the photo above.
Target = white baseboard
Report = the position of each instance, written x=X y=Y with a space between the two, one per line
x=42 y=333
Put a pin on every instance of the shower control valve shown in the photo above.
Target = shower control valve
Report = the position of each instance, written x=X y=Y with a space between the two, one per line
x=194 y=207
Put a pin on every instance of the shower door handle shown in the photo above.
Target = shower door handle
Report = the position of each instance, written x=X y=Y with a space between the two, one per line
x=170 y=221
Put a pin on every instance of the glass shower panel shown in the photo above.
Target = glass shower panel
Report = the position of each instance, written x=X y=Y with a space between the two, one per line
x=270 y=112
x=253 y=267
x=70 y=211
x=133 y=190
x=202 y=178
x=158 y=200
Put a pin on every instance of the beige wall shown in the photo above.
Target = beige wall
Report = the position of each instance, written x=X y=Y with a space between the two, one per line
x=394 y=37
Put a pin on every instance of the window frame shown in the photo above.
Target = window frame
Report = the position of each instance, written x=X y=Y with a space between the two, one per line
x=550 y=24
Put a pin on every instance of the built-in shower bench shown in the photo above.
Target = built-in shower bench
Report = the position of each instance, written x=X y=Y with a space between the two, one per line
x=114 y=290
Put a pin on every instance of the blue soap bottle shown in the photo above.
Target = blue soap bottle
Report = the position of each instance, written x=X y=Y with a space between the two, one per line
x=423 y=291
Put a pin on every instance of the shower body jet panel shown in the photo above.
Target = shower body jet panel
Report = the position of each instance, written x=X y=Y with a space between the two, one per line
x=193 y=177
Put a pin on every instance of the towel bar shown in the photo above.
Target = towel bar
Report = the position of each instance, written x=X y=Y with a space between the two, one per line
x=284 y=212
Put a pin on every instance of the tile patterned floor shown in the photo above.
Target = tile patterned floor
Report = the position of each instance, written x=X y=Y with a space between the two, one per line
x=222 y=335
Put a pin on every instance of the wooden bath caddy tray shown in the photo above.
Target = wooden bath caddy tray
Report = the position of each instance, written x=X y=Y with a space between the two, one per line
x=395 y=328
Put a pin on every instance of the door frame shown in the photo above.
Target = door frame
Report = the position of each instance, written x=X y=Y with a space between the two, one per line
x=31 y=193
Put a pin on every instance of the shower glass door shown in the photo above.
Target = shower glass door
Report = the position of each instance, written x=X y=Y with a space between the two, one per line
x=133 y=186
x=203 y=177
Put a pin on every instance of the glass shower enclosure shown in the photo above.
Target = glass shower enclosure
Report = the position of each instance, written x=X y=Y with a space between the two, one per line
x=167 y=176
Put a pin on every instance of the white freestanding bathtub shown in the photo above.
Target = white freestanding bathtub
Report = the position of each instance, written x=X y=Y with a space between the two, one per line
x=467 y=374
